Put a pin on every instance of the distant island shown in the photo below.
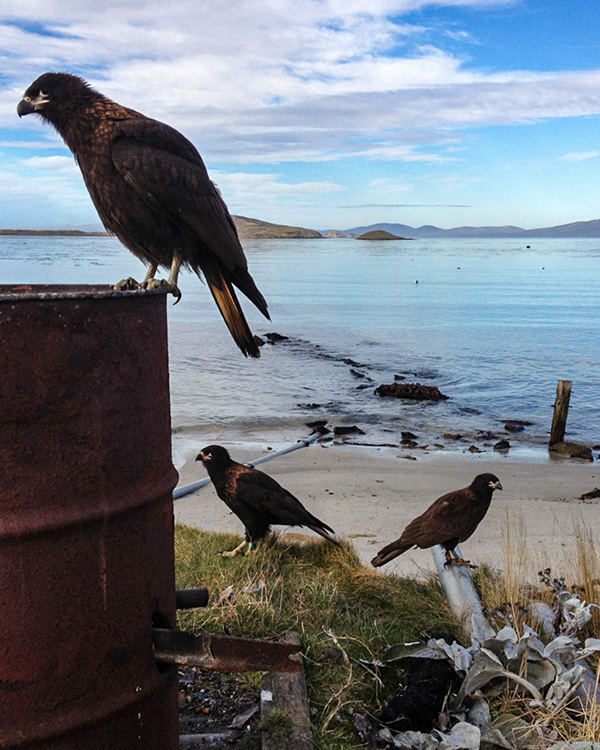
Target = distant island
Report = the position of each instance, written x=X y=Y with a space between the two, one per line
x=250 y=229
x=379 y=234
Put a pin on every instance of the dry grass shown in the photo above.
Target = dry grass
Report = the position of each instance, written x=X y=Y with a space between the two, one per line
x=341 y=610
x=578 y=563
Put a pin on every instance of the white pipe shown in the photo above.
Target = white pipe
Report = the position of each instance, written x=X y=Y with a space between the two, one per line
x=462 y=596
x=187 y=489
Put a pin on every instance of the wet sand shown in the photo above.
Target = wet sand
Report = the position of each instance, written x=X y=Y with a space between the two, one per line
x=369 y=495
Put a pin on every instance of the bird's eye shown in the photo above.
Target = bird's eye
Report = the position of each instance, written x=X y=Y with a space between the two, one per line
x=26 y=98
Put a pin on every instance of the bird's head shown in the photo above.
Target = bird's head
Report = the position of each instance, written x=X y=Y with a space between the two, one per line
x=54 y=96
x=214 y=456
x=486 y=483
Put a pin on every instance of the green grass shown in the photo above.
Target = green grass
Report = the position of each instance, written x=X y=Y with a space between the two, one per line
x=341 y=610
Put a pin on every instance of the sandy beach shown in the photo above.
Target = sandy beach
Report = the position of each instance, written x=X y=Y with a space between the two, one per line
x=369 y=495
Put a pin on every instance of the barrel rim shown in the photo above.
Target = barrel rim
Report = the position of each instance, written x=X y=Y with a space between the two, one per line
x=28 y=292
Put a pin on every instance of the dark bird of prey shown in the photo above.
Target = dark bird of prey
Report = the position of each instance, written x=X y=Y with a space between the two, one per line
x=448 y=521
x=151 y=189
x=256 y=498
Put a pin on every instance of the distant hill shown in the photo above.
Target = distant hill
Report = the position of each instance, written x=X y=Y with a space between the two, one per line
x=253 y=229
x=248 y=229
x=52 y=233
x=576 y=229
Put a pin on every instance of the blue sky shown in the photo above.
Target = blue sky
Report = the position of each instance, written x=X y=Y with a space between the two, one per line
x=326 y=113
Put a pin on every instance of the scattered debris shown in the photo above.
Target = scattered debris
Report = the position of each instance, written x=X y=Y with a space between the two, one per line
x=549 y=676
x=415 y=391
x=474 y=449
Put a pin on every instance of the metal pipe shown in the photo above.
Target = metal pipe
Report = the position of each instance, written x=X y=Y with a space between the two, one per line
x=225 y=653
x=462 y=597
x=187 y=489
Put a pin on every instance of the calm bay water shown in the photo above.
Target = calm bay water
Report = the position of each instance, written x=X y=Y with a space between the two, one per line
x=493 y=324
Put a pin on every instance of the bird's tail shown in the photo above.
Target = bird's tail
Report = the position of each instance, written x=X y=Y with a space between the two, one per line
x=389 y=553
x=230 y=308
x=325 y=534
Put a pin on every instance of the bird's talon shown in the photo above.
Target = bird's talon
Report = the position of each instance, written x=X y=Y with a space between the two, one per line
x=163 y=284
x=126 y=285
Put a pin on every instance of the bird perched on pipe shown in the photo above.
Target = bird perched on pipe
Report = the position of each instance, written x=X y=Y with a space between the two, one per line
x=448 y=521
x=151 y=189
x=256 y=499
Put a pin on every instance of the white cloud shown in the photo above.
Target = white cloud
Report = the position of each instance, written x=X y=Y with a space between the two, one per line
x=55 y=163
x=580 y=155
x=241 y=186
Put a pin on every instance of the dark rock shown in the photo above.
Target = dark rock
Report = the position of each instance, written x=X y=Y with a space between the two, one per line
x=316 y=423
x=573 y=450
x=258 y=341
x=474 y=449
x=502 y=445
x=273 y=337
x=347 y=430
x=452 y=436
x=362 y=386
x=469 y=410
x=399 y=377
x=591 y=494
x=351 y=362
x=357 y=374
x=408 y=436
x=409 y=443
x=414 y=391
x=514 y=427
x=523 y=422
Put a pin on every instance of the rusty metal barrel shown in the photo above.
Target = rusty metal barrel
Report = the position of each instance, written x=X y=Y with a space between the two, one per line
x=86 y=520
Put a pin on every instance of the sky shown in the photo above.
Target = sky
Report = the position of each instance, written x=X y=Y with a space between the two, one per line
x=327 y=114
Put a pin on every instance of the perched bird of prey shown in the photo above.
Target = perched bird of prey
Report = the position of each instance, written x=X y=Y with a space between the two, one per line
x=256 y=498
x=151 y=189
x=448 y=521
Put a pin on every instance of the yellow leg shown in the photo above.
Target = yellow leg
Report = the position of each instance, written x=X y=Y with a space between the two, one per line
x=235 y=552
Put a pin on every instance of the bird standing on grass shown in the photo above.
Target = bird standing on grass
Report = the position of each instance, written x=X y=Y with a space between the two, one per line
x=151 y=189
x=448 y=521
x=256 y=498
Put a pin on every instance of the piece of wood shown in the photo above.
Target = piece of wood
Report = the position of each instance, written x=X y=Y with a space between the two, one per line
x=287 y=692
x=561 y=411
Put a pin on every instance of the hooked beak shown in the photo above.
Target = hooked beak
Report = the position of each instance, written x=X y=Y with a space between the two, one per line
x=202 y=457
x=25 y=108
x=496 y=485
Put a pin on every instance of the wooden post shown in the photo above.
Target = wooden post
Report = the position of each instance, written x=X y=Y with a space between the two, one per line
x=287 y=692
x=561 y=410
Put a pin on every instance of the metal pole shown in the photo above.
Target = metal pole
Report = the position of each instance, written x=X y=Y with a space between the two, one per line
x=187 y=489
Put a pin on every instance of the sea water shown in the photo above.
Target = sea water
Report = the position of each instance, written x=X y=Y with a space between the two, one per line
x=492 y=323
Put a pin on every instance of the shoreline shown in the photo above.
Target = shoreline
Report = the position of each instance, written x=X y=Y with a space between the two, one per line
x=368 y=495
